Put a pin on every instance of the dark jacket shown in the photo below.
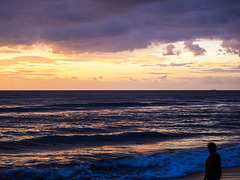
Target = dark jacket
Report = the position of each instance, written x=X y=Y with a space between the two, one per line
x=213 y=165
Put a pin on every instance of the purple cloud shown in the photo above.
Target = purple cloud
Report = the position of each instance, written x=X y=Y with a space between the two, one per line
x=231 y=46
x=211 y=80
x=220 y=70
x=180 y=64
x=163 y=78
x=170 y=50
x=102 y=25
x=158 y=73
x=171 y=64
x=195 y=48
x=98 y=78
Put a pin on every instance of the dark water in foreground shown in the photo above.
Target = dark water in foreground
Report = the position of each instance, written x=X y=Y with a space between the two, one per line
x=115 y=134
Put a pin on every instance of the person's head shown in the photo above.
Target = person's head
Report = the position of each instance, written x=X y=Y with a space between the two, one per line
x=212 y=147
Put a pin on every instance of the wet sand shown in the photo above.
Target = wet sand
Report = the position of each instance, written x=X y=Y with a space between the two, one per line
x=228 y=174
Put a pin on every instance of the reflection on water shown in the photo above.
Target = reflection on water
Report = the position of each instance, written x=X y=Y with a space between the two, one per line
x=68 y=129
x=85 y=154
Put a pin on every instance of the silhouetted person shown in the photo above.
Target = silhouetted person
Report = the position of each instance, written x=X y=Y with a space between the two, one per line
x=213 y=169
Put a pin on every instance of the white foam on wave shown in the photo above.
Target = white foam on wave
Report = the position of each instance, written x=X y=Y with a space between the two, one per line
x=171 y=164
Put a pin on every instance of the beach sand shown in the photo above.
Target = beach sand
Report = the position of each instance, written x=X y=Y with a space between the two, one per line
x=228 y=174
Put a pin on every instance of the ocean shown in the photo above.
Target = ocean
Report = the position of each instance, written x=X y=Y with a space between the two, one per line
x=115 y=134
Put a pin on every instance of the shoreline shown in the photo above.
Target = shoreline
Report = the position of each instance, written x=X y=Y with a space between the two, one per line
x=232 y=173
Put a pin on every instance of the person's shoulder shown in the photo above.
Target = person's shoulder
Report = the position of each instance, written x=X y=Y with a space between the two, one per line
x=216 y=154
x=210 y=156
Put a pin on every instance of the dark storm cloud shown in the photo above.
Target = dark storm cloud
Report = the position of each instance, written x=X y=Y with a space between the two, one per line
x=113 y=25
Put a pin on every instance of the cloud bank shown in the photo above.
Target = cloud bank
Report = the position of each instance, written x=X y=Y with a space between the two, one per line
x=111 y=26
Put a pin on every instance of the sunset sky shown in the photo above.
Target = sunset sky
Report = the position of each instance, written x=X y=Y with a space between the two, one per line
x=119 y=44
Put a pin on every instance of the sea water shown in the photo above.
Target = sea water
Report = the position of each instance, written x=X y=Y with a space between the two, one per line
x=115 y=134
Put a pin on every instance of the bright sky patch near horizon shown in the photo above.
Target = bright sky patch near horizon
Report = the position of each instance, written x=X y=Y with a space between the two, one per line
x=119 y=45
